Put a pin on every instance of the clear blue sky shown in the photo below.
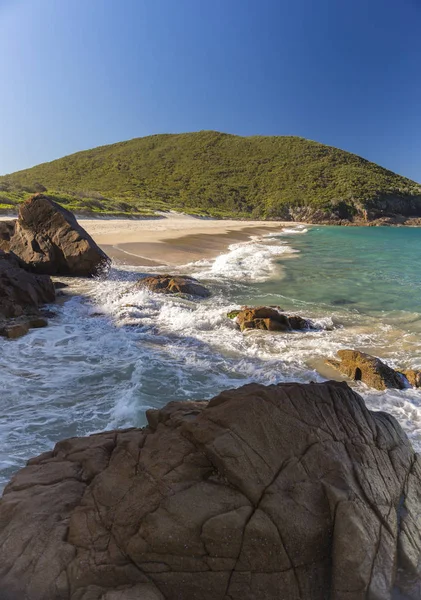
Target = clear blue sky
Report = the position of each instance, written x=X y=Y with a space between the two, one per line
x=75 y=74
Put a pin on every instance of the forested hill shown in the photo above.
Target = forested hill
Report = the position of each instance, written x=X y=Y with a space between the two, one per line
x=221 y=175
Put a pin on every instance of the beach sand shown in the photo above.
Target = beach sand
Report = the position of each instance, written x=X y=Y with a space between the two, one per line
x=173 y=239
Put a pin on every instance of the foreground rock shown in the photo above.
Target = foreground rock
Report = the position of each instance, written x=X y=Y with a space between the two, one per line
x=21 y=295
x=269 y=318
x=174 y=284
x=372 y=371
x=49 y=240
x=264 y=493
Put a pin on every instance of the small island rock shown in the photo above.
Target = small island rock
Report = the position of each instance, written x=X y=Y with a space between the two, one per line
x=360 y=366
x=269 y=318
x=174 y=284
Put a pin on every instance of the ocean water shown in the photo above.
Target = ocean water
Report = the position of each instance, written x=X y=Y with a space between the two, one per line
x=113 y=351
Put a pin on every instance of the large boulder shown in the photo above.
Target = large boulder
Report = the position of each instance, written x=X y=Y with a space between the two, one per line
x=269 y=318
x=174 y=284
x=283 y=492
x=360 y=366
x=21 y=292
x=49 y=240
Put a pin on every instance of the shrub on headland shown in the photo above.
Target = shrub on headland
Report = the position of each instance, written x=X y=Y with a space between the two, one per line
x=221 y=175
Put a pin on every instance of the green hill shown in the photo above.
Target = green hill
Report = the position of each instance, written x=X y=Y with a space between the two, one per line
x=221 y=175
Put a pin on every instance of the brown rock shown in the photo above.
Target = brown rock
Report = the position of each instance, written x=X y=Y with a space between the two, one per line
x=264 y=493
x=21 y=292
x=270 y=318
x=16 y=328
x=49 y=240
x=7 y=229
x=169 y=284
x=413 y=377
x=13 y=330
x=368 y=369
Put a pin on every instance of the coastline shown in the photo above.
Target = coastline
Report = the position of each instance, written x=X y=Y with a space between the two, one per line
x=173 y=240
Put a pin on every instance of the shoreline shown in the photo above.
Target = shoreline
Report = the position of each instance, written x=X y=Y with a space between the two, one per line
x=174 y=240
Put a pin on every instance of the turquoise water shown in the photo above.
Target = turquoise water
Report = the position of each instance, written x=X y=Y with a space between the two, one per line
x=114 y=350
x=371 y=269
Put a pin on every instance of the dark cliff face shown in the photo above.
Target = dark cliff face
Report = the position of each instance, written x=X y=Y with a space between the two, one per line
x=388 y=205
x=278 y=492
x=386 y=209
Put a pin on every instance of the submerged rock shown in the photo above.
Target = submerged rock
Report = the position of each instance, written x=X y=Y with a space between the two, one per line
x=49 y=240
x=21 y=292
x=269 y=318
x=174 y=284
x=264 y=493
x=360 y=366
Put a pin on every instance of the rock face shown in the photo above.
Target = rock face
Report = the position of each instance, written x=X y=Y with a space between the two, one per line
x=288 y=492
x=169 y=284
x=7 y=229
x=21 y=292
x=48 y=239
x=372 y=371
x=269 y=318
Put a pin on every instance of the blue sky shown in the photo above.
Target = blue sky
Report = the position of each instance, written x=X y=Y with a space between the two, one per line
x=75 y=74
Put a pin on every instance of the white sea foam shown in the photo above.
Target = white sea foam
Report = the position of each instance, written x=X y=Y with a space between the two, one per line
x=247 y=261
x=293 y=230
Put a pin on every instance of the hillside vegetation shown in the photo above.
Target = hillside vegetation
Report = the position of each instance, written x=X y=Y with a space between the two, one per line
x=220 y=175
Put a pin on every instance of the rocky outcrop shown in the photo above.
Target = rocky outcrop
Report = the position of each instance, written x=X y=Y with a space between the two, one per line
x=264 y=493
x=49 y=240
x=269 y=318
x=7 y=229
x=360 y=366
x=174 y=284
x=21 y=295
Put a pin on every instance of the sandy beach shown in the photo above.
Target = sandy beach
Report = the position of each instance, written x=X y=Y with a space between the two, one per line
x=172 y=239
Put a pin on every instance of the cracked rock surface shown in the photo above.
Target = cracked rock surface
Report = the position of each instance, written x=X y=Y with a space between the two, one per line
x=285 y=492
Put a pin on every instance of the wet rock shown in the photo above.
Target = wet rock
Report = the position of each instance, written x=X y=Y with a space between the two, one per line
x=270 y=318
x=16 y=328
x=272 y=493
x=174 y=284
x=21 y=292
x=413 y=377
x=233 y=314
x=368 y=369
x=13 y=330
x=49 y=240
